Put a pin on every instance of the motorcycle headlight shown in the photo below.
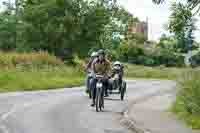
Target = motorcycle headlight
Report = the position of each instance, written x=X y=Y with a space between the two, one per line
x=99 y=85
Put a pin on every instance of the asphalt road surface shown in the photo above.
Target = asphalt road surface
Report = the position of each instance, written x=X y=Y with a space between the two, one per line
x=68 y=110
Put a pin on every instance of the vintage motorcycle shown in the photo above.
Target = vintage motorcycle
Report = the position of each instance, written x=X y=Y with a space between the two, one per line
x=116 y=84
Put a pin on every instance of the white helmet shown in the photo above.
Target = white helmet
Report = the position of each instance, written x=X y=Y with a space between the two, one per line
x=94 y=54
x=117 y=63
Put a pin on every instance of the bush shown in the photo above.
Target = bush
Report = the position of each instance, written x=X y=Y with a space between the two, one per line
x=77 y=62
x=149 y=56
x=38 y=59
x=35 y=71
x=195 y=60
x=145 y=60
x=112 y=55
x=187 y=104
x=167 y=58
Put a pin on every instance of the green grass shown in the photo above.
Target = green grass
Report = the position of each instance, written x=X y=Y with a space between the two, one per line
x=191 y=120
x=34 y=59
x=135 y=71
x=36 y=71
x=187 y=105
x=41 y=71
x=39 y=79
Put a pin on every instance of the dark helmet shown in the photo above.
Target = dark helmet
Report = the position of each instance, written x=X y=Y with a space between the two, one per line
x=101 y=52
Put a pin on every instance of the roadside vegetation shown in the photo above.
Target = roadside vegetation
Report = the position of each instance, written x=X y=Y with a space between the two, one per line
x=72 y=29
x=36 y=71
x=161 y=72
x=33 y=59
x=187 y=105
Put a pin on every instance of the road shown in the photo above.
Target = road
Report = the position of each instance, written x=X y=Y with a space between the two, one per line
x=68 y=111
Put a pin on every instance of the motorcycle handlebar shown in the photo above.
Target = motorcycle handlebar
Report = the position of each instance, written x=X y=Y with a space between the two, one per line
x=99 y=76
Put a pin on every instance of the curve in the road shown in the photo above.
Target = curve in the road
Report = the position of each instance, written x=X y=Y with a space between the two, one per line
x=68 y=110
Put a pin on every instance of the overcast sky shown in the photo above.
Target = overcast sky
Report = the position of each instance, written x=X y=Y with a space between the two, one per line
x=157 y=15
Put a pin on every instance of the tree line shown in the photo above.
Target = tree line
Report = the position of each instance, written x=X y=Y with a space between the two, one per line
x=69 y=28
x=62 y=26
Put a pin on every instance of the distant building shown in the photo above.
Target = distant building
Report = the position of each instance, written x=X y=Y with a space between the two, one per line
x=139 y=27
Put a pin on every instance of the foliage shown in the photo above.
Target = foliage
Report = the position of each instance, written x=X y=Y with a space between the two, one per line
x=39 y=79
x=187 y=105
x=161 y=72
x=35 y=60
x=7 y=31
x=151 y=54
x=71 y=29
x=35 y=71
x=167 y=52
x=182 y=25
x=169 y=58
x=136 y=37
x=63 y=27
x=195 y=60
x=192 y=4
x=168 y=42
x=57 y=24
x=129 y=51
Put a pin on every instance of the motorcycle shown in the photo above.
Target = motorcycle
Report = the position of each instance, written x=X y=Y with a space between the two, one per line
x=90 y=76
x=116 y=84
x=99 y=93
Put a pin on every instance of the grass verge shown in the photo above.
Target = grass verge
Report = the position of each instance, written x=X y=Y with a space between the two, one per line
x=41 y=71
x=36 y=71
x=135 y=71
x=187 y=104
x=37 y=79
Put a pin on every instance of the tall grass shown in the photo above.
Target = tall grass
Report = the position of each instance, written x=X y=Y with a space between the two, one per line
x=13 y=59
x=187 y=105
x=135 y=71
x=37 y=79
x=35 y=71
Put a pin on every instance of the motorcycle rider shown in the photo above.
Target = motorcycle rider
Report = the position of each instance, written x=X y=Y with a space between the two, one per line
x=118 y=68
x=101 y=66
x=89 y=70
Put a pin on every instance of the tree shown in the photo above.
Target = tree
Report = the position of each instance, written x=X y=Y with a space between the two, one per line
x=182 y=24
x=117 y=28
x=8 y=27
x=168 y=42
x=192 y=4
x=55 y=25
x=58 y=26
x=64 y=27
x=7 y=31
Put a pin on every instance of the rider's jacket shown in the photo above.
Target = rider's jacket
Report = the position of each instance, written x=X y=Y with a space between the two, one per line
x=101 y=67
x=89 y=65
